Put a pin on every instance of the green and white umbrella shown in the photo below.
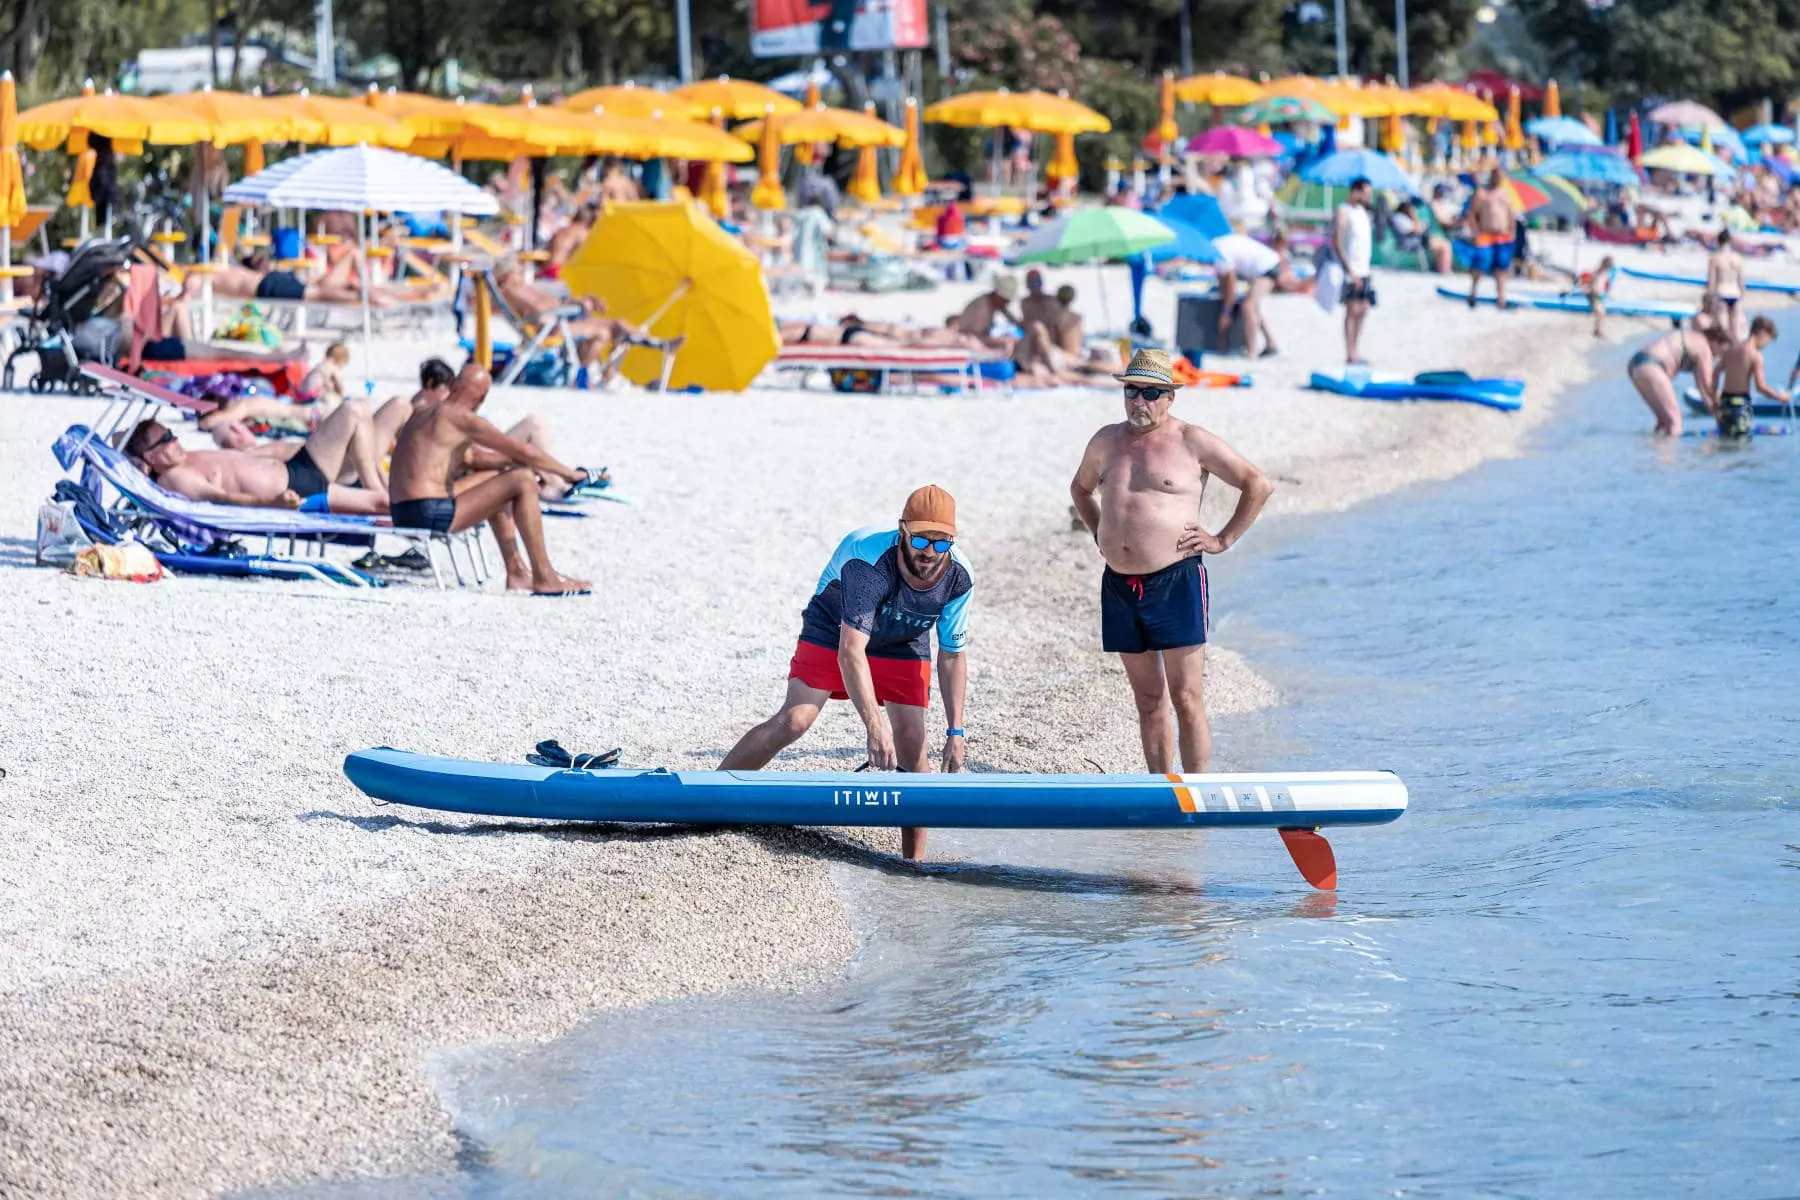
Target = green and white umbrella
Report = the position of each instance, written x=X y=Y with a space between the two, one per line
x=1284 y=110
x=1094 y=235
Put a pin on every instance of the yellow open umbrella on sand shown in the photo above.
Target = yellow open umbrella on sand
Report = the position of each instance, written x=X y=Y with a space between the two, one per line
x=841 y=126
x=738 y=99
x=124 y=119
x=910 y=179
x=1442 y=100
x=1217 y=89
x=670 y=137
x=236 y=119
x=329 y=121
x=1681 y=158
x=768 y=194
x=669 y=267
x=630 y=100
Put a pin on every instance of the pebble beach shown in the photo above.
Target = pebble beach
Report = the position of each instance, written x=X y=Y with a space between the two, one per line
x=221 y=966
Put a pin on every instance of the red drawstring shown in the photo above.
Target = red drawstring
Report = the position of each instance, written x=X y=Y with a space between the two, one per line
x=1136 y=584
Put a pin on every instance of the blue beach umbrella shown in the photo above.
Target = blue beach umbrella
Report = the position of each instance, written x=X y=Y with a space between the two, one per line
x=1347 y=166
x=1758 y=135
x=1200 y=211
x=1190 y=243
x=1590 y=166
x=1562 y=131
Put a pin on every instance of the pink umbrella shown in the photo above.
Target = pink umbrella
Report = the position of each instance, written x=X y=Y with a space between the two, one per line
x=1235 y=141
x=1686 y=114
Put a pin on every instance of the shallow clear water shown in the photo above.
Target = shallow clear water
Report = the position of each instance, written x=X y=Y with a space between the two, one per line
x=1572 y=969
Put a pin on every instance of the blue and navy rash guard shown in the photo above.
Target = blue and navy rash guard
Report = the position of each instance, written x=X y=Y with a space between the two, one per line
x=862 y=588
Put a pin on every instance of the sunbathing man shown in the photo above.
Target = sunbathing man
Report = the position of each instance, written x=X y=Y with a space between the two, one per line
x=594 y=334
x=1037 y=307
x=427 y=453
x=1139 y=490
x=253 y=279
x=977 y=318
x=273 y=476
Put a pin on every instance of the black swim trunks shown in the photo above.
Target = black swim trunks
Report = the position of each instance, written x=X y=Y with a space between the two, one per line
x=434 y=514
x=1165 y=610
x=1735 y=415
x=304 y=476
x=281 y=285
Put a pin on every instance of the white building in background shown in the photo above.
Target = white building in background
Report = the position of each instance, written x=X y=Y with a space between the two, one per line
x=187 y=68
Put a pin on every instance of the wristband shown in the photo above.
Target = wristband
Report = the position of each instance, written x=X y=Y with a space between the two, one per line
x=950 y=733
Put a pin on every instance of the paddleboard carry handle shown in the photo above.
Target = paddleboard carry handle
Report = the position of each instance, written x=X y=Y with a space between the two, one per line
x=1312 y=854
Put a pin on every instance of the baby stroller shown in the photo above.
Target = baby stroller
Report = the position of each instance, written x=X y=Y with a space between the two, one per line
x=66 y=305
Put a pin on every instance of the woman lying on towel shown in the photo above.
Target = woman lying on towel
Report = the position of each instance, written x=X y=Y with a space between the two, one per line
x=254 y=279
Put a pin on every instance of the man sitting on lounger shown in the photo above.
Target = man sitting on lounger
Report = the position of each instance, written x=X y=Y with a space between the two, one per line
x=594 y=334
x=273 y=476
x=431 y=447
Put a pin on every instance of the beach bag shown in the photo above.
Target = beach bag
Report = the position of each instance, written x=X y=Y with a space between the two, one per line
x=60 y=537
x=130 y=560
x=1329 y=285
x=251 y=325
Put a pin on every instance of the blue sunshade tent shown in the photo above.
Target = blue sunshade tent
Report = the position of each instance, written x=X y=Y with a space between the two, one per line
x=1199 y=210
x=1347 y=166
x=1589 y=166
x=1562 y=131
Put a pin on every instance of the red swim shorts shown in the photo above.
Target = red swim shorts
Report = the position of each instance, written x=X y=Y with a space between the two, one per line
x=900 y=680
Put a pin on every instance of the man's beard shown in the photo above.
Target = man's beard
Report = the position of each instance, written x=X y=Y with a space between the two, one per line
x=1141 y=418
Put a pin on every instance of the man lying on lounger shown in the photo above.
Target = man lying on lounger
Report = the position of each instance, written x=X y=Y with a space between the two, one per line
x=276 y=475
x=431 y=446
x=595 y=334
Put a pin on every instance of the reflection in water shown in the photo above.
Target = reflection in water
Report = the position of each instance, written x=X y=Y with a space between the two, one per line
x=1570 y=970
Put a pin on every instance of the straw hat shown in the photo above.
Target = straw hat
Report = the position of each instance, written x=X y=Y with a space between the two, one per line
x=1152 y=367
x=1007 y=286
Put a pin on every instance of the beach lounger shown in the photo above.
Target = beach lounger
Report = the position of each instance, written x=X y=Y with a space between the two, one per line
x=549 y=357
x=135 y=400
x=884 y=364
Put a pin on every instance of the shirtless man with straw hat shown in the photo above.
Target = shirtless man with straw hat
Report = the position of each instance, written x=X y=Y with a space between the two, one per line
x=1139 y=490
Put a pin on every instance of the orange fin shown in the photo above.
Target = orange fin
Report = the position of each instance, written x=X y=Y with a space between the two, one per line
x=1312 y=854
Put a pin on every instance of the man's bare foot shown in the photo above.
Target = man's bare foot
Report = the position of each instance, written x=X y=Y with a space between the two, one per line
x=560 y=585
x=519 y=580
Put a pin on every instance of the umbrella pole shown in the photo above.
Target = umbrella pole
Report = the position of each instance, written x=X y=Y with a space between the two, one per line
x=362 y=236
x=686 y=286
x=6 y=283
x=1105 y=304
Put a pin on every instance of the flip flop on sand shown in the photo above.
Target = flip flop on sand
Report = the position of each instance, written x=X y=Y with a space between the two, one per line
x=551 y=754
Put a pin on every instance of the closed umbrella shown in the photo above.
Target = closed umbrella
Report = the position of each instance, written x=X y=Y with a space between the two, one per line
x=1166 y=129
x=671 y=269
x=1552 y=100
x=803 y=153
x=713 y=192
x=768 y=194
x=865 y=184
x=910 y=179
x=1515 y=132
x=362 y=179
x=12 y=179
x=1634 y=139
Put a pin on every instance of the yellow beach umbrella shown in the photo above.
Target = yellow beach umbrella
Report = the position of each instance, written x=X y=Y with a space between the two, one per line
x=768 y=195
x=1032 y=112
x=840 y=126
x=671 y=268
x=1681 y=158
x=235 y=118
x=81 y=178
x=124 y=119
x=1166 y=129
x=713 y=192
x=1552 y=100
x=1442 y=100
x=630 y=100
x=665 y=137
x=338 y=122
x=1217 y=89
x=254 y=162
x=910 y=178
x=865 y=184
x=738 y=99
x=1515 y=129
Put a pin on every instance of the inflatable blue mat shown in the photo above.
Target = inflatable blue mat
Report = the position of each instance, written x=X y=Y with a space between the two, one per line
x=1783 y=289
x=1574 y=302
x=1502 y=394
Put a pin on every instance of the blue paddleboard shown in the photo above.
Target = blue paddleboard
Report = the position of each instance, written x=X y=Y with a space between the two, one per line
x=1299 y=800
x=1762 y=407
x=1783 y=289
x=1574 y=303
